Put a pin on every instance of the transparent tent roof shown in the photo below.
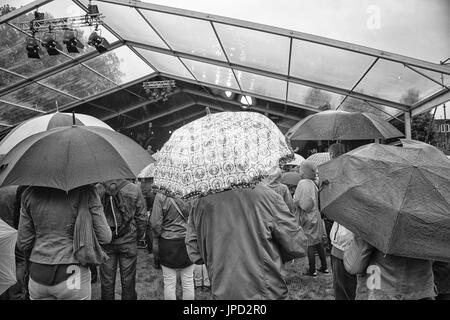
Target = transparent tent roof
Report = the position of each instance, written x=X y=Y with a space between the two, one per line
x=288 y=67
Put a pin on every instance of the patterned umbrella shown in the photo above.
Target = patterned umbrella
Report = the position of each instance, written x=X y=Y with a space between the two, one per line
x=148 y=171
x=219 y=152
x=319 y=158
x=46 y=122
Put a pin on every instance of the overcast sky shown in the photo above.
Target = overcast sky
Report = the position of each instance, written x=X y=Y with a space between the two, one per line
x=415 y=28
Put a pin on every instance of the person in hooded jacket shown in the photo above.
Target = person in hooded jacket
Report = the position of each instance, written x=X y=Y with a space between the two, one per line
x=126 y=214
x=306 y=199
x=244 y=236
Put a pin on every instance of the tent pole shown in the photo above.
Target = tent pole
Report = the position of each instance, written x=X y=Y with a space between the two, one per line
x=408 y=124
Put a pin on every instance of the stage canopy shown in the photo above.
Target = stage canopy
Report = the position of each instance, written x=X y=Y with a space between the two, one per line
x=213 y=60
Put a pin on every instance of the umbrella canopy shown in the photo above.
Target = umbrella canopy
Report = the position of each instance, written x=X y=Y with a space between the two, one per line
x=342 y=125
x=218 y=152
x=298 y=159
x=69 y=157
x=8 y=238
x=46 y=122
x=290 y=178
x=319 y=157
x=397 y=199
x=148 y=171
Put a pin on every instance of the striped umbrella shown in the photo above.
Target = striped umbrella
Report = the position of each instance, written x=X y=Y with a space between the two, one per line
x=46 y=122
x=319 y=158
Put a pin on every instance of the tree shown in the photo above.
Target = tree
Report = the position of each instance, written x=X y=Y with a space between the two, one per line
x=318 y=98
x=77 y=80
x=420 y=124
x=356 y=105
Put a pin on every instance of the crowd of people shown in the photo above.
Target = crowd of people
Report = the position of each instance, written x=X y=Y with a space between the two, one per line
x=235 y=242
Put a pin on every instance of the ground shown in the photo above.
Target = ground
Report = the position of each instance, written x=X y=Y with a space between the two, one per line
x=149 y=282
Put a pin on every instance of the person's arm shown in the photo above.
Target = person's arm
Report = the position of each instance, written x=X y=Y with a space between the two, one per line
x=141 y=214
x=26 y=231
x=288 y=199
x=156 y=222
x=357 y=256
x=289 y=236
x=101 y=228
x=191 y=240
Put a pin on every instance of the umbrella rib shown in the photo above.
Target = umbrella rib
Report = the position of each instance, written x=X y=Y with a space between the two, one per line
x=434 y=187
x=399 y=211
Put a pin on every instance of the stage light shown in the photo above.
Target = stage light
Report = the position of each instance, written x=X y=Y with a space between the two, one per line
x=51 y=45
x=33 y=48
x=71 y=41
x=39 y=15
x=246 y=100
x=98 y=42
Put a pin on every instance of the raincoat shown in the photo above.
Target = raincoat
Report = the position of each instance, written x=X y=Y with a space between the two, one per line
x=244 y=236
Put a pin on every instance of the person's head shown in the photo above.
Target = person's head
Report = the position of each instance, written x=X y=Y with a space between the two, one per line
x=274 y=175
x=308 y=170
x=336 y=149
x=111 y=186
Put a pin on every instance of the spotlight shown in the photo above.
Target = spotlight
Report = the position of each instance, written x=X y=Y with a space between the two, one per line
x=93 y=9
x=51 y=45
x=33 y=48
x=39 y=15
x=100 y=43
x=246 y=100
x=71 y=41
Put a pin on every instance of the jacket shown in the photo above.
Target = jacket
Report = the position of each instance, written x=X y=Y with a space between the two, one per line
x=47 y=221
x=283 y=191
x=390 y=277
x=165 y=220
x=306 y=198
x=9 y=208
x=341 y=239
x=244 y=236
x=441 y=272
x=129 y=209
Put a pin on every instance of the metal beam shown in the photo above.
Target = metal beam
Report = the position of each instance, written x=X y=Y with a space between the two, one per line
x=233 y=102
x=160 y=115
x=104 y=93
x=168 y=124
x=22 y=10
x=287 y=33
x=408 y=125
x=134 y=107
x=270 y=74
x=435 y=100
x=53 y=70
x=23 y=107
x=293 y=104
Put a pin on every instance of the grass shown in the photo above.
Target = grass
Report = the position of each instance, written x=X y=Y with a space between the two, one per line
x=149 y=282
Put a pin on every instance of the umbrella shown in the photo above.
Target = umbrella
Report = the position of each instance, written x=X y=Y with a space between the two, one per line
x=319 y=157
x=290 y=178
x=46 y=122
x=8 y=238
x=148 y=171
x=69 y=157
x=397 y=199
x=342 y=125
x=218 y=152
x=298 y=159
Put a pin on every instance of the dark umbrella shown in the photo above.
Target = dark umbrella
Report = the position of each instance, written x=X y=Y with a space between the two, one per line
x=397 y=199
x=69 y=157
x=342 y=125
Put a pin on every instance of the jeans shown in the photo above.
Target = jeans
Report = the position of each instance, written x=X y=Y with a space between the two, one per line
x=312 y=257
x=344 y=283
x=170 y=281
x=125 y=255
x=76 y=287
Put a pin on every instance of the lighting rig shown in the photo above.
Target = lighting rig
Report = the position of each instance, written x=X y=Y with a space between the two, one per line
x=49 y=27
x=159 y=90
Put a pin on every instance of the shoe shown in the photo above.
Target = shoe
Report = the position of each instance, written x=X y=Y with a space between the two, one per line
x=324 y=271
x=311 y=274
